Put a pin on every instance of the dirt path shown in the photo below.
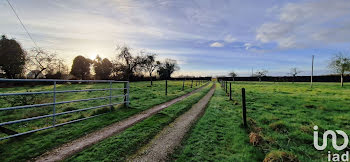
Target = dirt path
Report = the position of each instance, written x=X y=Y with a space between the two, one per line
x=66 y=150
x=170 y=137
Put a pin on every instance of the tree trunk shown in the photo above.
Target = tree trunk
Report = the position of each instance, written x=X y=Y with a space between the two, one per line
x=342 y=80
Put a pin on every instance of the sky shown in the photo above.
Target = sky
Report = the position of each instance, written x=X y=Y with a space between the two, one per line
x=206 y=37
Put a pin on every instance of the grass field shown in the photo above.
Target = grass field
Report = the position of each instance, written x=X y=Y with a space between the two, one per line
x=281 y=117
x=284 y=115
x=26 y=147
x=119 y=147
x=218 y=135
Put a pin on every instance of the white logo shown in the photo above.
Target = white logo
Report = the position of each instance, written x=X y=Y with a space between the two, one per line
x=335 y=156
x=334 y=139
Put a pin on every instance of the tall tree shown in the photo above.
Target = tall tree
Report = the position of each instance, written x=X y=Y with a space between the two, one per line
x=127 y=63
x=167 y=68
x=13 y=57
x=103 y=68
x=81 y=67
x=150 y=65
x=294 y=72
x=340 y=64
x=233 y=75
x=261 y=74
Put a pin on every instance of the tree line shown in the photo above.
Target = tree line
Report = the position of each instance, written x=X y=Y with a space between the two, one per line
x=339 y=64
x=38 y=63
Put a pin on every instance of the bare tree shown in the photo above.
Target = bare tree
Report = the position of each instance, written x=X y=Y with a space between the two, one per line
x=340 y=64
x=40 y=61
x=128 y=64
x=261 y=74
x=294 y=72
x=150 y=65
x=233 y=75
x=60 y=72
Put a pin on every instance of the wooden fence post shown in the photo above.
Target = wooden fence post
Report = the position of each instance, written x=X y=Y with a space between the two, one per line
x=183 y=85
x=244 y=109
x=230 y=92
x=226 y=86
x=166 y=87
x=125 y=93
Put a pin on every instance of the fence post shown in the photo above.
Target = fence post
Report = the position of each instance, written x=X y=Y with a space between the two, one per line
x=183 y=85
x=192 y=83
x=226 y=86
x=110 y=94
x=230 y=92
x=54 y=104
x=127 y=94
x=166 y=87
x=244 y=110
x=196 y=82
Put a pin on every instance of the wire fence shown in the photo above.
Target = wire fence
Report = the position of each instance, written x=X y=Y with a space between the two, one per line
x=236 y=96
x=65 y=101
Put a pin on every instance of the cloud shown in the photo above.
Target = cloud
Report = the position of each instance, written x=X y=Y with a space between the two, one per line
x=308 y=24
x=247 y=45
x=229 y=39
x=216 y=44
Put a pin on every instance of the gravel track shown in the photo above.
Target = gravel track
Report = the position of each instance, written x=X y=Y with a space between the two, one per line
x=66 y=150
x=170 y=137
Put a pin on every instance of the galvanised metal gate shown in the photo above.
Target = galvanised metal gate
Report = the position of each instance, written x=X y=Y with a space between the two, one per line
x=54 y=114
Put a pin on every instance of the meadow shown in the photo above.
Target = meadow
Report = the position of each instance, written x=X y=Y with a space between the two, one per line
x=142 y=97
x=281 y=116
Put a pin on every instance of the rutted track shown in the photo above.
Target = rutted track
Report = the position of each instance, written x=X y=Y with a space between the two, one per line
x=68 y=149
x=170 y=137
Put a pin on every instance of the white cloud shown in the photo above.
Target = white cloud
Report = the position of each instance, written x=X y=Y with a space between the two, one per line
x=308 y=24
x=216 y=44
x=247 y=45
x=229 y=39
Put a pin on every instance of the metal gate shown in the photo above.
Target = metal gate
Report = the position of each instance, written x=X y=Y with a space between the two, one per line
x=10 y=133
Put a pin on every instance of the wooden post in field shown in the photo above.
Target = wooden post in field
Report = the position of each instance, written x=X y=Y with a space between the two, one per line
x=125 y=92
x=196 y=83
x=312 y=69
x=166 y=87
x=230 y=92
x=183 y=84
x=244 y=109
x=192 y=83
x=226 y=86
